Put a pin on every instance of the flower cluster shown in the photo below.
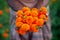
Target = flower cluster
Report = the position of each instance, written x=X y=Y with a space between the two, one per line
x=30 y=19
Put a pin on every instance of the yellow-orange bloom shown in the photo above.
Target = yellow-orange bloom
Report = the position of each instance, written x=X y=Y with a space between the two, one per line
x=27 y=13
x=25 y=27
x=34 y=13
x=19 y=24
x=5 y=35
x=35 y=20
x=1 y=12
x=29 y=19
x=40 y=22
x=24 y=9
x=22 y=32
x=44 y=10
x=35 y=9
x=42 y=16
x=33 y=28
x=19 y=13
x=18 y=19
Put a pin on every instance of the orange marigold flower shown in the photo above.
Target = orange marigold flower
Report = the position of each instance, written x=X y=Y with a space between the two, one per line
x=34 y=9
x=34 y=13
x=24 y=9
x=27 y=13
x=18 y=19
x=29 y=19
x=1 y=12
x=44 y=10
x=24 y=20
x=35 y=20
x=40 y=22
x=5 y=35
x=25 y=27
x=42 y=16
x=19 y=13
x=1 y=25
x=19 y=24
x=33 y=28
x=22 y=32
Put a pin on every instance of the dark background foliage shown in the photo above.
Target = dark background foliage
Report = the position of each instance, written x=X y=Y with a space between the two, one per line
x=55 y=18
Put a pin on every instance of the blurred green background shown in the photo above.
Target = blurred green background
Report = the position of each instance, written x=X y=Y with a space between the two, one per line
x=4 y=20
x=54 y=15
x=55 y=18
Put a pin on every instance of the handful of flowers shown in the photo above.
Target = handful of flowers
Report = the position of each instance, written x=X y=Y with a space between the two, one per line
x=30 y=19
